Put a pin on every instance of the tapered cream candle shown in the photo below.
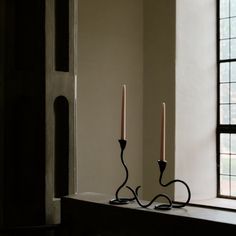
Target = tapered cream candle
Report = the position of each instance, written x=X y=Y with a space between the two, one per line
x=123 y=114
x=163 y=133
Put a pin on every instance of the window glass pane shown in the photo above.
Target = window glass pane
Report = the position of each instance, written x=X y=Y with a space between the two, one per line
x=233 y=93
x=224 y=185
x=233 y=186
x=232 y=7
x=233 y=165
x=224 y=8
x=233 y=48
x=224 y=49
x=224 y=114
x=233 y=144
x=224 y=143
x=224 y=164
x=224 y=29
x=233 y=114
x=224 y=93
x=232 y=71
x=232 y=27
x=224 y=71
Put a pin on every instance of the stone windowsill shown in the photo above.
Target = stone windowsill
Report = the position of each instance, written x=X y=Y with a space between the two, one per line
x=216 y=203
x=213 y=210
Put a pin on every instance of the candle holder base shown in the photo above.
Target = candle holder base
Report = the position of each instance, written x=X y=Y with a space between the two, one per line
x=162 y=166
x=163 y=207
x=119 y=201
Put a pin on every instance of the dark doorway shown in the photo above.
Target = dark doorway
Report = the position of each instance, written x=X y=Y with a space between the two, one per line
x=23 y=125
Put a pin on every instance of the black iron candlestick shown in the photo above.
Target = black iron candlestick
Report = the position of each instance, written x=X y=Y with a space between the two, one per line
x=162 y=166
x=172 y=204
x=118 y=200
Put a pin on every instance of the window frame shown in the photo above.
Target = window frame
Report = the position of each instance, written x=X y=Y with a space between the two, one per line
x=221 y=128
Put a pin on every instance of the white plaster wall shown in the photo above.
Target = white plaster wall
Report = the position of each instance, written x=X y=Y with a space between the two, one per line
x=110 y=54
x=196 y=97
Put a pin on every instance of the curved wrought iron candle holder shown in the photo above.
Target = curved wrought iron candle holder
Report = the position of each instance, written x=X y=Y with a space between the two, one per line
x=172 y=204
x=161 y=206
x=117 y=200
x=162 y=166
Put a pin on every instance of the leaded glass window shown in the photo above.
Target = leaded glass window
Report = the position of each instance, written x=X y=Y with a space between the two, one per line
x=226 y=128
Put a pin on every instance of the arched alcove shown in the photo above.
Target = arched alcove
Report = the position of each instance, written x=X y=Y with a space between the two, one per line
x=61 y=170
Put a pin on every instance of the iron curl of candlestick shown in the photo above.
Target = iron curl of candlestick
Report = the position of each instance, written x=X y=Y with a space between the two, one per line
x=172 y=204
x=161 y=206
x=121 y=200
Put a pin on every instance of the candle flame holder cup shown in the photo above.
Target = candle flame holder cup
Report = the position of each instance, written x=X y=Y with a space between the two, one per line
x=171 y=204
x=118 y=200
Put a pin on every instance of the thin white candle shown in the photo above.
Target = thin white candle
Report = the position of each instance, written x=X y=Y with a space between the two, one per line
x=123 y=114
x=163 y=133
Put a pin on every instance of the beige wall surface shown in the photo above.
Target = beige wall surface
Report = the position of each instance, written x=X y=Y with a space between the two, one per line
x=159 y=86
x=158 y=54
x=110 y=54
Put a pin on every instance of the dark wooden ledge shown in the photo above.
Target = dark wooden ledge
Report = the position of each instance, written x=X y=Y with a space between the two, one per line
x=91 y=214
